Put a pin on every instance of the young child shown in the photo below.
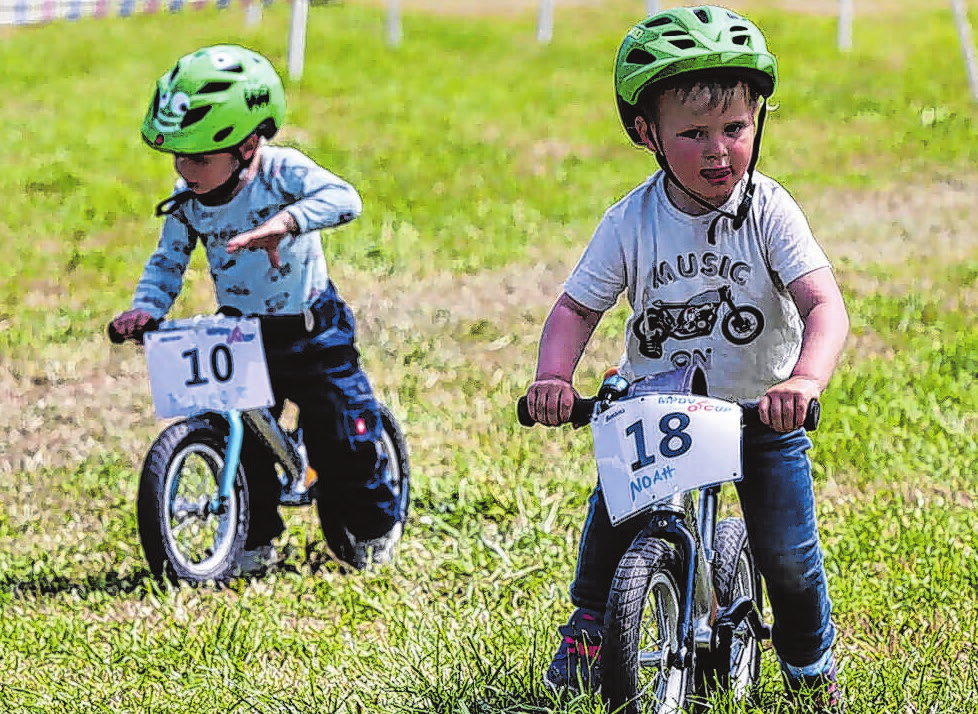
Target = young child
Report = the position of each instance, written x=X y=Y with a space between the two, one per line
x=689 y=82
x=257 y=210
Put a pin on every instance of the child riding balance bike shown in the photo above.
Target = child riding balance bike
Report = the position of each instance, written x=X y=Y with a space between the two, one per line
x=691 y=86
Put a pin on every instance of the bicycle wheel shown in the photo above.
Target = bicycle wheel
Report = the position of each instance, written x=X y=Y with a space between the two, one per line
x=397 y=475
x=641 y=633
x=182 y=537
x=735 y=577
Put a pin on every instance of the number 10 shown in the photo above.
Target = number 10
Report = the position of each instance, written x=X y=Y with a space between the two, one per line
x=222 y=365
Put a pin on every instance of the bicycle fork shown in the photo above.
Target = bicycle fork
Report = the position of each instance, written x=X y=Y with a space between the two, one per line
x=699 y=627
x=267 y=429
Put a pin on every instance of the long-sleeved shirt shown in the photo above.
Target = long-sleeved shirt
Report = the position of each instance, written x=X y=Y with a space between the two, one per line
x=286 y=179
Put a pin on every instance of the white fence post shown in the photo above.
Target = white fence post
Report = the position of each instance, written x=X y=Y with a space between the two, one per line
x=393 y=23
x=967 y=45
x=845 y=24
x=545 y=21
x=651 y=7
x=253 y=13
x=297 y=38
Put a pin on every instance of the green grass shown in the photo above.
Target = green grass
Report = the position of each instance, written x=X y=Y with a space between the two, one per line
x=484 y=160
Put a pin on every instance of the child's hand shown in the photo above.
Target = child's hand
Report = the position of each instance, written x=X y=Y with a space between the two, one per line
x=267 y=236
x=130 y=325
x=784 y=406
x=550 y=400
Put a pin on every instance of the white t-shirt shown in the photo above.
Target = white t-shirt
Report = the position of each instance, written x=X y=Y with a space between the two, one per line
x=727 y=301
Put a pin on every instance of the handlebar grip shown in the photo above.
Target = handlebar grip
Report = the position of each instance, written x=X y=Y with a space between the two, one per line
x=813 y=416
x=580 y=414
x=115 y=337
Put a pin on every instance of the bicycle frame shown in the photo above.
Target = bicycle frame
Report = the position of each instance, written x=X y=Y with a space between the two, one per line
x=282 y=446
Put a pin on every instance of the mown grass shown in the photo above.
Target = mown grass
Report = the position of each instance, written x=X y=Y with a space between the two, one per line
x=484 y=160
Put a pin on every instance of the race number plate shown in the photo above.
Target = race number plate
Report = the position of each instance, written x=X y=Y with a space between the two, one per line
x=207 y=364
x=652 y=447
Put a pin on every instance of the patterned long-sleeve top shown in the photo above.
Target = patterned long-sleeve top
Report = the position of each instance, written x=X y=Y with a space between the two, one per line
x=286 y=179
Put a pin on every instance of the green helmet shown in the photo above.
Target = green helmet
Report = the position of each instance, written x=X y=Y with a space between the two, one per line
x=212 y=100
x=689 y=39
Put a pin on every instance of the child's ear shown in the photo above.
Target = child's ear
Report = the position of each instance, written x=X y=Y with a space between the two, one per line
x=249 y=146
x=646 y=134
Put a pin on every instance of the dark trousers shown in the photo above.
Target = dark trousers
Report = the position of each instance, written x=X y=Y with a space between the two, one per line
x=319 y=371
x=778 y=503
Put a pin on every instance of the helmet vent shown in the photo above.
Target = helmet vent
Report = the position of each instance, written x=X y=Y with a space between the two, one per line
x=194 y=116
x=233 y=68
x=702 y=15
x=657 y=22
x=640 y=56
x=212 y=87
x=223 y=134
x=683 y=44
x=740 y=39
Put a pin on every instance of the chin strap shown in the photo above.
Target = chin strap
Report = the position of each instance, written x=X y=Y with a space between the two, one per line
x=216 y=197
x=743 y=208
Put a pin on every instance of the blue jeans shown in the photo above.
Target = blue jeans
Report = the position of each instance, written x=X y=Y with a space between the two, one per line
x=778 y=503
x=319 y=371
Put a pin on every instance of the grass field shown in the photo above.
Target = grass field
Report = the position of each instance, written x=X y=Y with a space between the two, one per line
x=484 y=160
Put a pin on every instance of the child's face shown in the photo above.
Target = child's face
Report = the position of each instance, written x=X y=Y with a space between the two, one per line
x=707 y=144
x=205 y=172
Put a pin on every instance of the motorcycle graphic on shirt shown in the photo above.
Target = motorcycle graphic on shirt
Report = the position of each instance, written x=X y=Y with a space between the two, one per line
x=696 y=318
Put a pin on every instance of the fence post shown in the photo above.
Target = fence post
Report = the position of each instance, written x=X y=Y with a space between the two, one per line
x=845 y=24
x=297 y=38
x=393 y=23
x=252 y=12
x=967 y=45
x=545 y=21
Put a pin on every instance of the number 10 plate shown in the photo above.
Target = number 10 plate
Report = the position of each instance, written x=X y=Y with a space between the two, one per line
x=652 y=447
x=211 y=363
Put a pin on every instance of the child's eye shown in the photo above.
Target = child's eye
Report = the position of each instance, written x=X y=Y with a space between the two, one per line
x=691 y=134
x=734 y=128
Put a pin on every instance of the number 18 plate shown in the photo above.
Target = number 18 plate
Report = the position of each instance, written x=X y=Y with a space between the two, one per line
x=652 y=447
x=212 y=363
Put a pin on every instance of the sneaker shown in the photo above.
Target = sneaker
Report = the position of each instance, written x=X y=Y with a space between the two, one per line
x=816 y=693
x=377 y=550
x=576 y=666
x=257 y=561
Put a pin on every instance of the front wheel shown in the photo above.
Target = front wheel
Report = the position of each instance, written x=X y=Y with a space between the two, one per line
x=183 y=535
x=641 y=633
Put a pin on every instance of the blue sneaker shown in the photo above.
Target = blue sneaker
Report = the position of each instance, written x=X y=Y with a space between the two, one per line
x=576 y=666
x=819 y=692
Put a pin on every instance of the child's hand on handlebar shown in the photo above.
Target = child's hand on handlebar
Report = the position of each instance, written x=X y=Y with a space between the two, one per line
x=131 y=325
x=550 y=400
x=784 y=406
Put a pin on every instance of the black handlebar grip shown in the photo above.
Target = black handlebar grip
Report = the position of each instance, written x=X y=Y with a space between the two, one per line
x=115 y=337
x=813 y=416
x=580 y=414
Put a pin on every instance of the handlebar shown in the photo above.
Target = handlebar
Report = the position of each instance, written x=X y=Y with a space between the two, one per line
x=583 y=408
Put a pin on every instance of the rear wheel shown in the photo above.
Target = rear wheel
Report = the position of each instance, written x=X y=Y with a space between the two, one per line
x=183 y=536
x=641 y=633
x=397 y=474
x=735 y=578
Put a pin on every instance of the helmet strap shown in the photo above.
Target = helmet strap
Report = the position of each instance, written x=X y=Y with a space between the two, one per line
x=215 y=197
x=743 y=208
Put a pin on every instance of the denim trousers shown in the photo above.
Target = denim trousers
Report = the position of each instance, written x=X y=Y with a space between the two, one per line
x=319 y=371
x=778 y=504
